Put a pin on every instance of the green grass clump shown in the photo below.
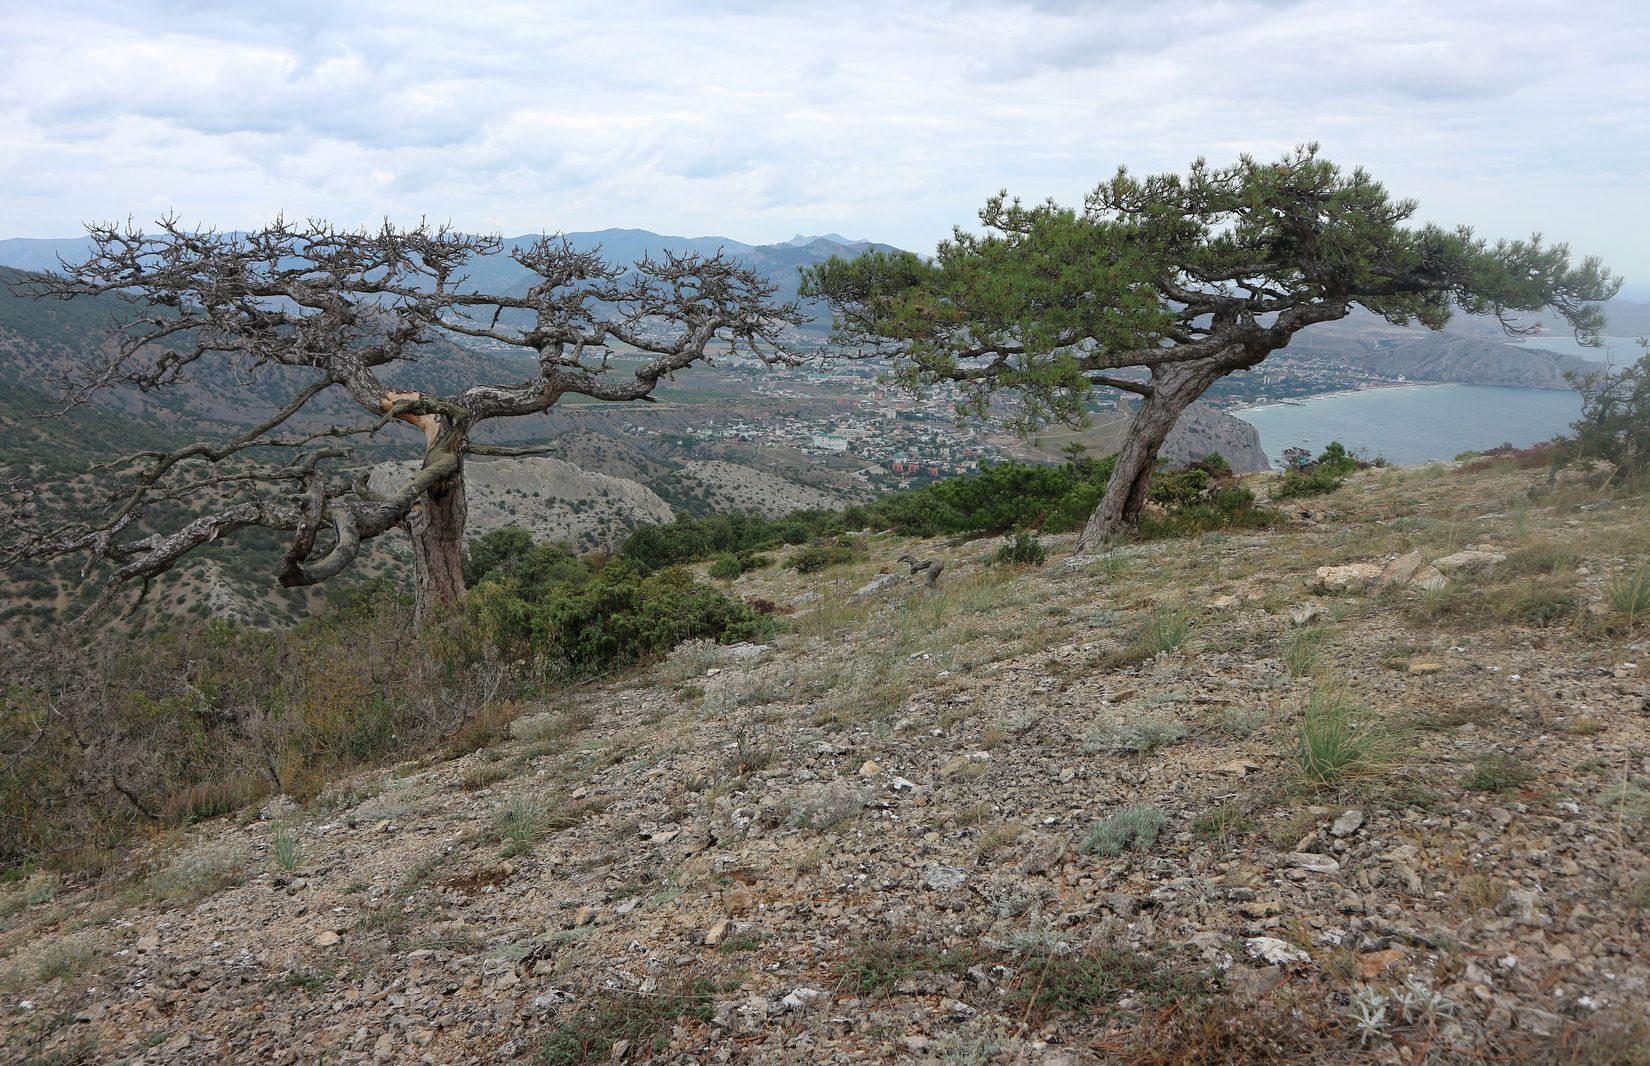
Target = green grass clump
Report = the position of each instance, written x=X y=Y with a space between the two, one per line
x=284 y=848
x=1164 y=630
x=1629 y=594
x=1222 y=824
x=523 y=823
x=1301 y=653
x=1137 y=825
x=1334 y=744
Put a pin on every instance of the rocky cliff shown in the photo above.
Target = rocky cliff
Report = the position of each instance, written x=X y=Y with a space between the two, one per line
x=1203 y=429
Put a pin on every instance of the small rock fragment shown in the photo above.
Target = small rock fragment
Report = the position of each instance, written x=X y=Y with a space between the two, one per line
x=1318 y=864
x=1273 y=950
x=1468 y=561
x=1347 y=824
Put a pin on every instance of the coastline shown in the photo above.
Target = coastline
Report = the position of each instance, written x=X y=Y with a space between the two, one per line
x=1239 y=410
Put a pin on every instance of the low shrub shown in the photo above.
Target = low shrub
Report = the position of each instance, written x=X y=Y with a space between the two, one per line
x=1022 y=549
x=1322 y=475
x=816 y=557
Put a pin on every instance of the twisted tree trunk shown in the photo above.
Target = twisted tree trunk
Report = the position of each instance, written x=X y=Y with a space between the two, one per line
x=436 y=522
x=1174 y=387
x=437 y=527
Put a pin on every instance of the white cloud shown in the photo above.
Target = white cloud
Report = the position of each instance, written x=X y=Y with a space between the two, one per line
x=754 y=121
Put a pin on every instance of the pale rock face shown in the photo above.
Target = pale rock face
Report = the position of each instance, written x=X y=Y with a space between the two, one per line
x=736 y=487
x=1468 y=561
x=1353 y=577
x=1203 y=429
x=1402 y=570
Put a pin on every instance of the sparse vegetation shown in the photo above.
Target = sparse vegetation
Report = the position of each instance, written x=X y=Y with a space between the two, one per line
x=199 y=870
x=1093 y=983
x=875 y=968
x=1497 y=772
x=825 y=809
x=1134 y=734
x=1135 y=826
x=643 y=1022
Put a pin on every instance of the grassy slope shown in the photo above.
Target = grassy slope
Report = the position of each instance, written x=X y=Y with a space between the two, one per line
x=807 y=813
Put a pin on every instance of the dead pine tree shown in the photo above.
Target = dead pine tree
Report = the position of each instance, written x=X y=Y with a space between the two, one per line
x=313 y=329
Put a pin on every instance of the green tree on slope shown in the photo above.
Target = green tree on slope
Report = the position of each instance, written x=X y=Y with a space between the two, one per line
x=1186 y=278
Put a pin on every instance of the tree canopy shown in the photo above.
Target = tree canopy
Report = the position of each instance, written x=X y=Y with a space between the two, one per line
x=316 y=316
x=1162 y=285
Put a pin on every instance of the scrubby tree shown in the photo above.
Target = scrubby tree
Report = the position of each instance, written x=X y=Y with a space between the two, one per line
x=1615 y=419
x=1162 y=285
x=312 y=313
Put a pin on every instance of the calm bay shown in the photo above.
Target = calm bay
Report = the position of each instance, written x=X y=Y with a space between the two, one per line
x=1416 y=423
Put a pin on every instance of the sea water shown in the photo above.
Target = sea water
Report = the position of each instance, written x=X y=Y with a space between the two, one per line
x=1416 y=423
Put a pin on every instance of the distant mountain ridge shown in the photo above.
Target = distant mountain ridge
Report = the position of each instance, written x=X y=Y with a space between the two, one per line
x=779 y=263
x=1469 y=360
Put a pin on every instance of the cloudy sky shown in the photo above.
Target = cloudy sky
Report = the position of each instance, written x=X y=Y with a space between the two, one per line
x=757 y=120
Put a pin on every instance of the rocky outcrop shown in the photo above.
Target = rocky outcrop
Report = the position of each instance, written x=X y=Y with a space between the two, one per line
x=1203 y=429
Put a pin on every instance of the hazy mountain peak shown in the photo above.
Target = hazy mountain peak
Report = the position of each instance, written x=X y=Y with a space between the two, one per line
x=802 y=240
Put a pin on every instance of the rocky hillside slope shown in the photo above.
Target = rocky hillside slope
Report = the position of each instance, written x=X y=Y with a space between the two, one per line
x=1471 y=361
x=1052 y=816
x=551 y=499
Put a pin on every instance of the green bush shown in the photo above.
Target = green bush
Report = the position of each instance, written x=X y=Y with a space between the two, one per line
x=1323 y=475
x=816 y=557
x=725 y=567
x=730 y=565
x=597 y=622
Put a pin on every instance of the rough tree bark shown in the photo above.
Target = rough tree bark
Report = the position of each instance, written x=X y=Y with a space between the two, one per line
x=1173 y=389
